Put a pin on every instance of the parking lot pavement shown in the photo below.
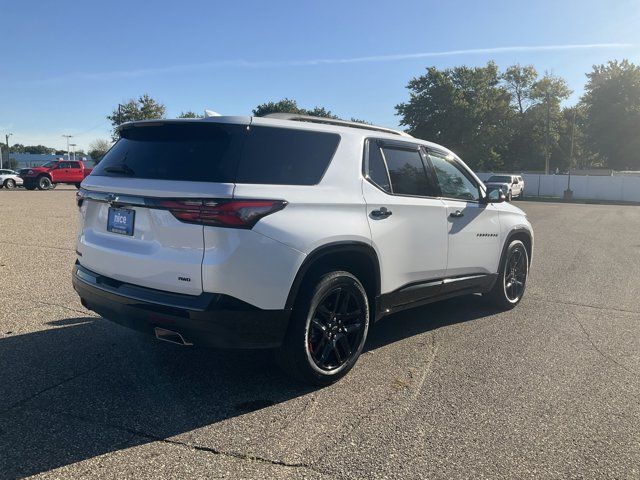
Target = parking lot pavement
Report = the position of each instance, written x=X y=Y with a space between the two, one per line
x=452 y=390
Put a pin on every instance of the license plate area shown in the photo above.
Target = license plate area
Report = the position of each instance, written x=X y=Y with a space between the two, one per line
x=121 y=220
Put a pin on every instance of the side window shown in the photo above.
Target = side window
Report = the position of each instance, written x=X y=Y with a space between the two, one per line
x=377 y=169
x=75 y=165
x=406 y=171
x=453 y=182
x=286 y=156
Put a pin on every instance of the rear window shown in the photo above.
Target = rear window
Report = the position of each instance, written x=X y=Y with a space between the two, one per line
x=214 y=152
x=202 y=152
x=286 y=156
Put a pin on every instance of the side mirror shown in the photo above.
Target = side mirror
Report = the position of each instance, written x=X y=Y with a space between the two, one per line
x=494 y=196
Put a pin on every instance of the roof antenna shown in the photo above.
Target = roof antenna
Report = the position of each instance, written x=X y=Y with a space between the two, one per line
x=211 y=113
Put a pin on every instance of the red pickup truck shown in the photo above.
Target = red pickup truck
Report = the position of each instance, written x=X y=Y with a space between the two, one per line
x=51 y=173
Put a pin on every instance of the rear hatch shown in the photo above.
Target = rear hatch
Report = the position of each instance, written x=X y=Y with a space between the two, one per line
x=145 y=204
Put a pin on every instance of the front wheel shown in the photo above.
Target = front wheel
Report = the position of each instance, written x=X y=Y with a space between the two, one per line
x=512 y=277
x=44 y=183
x=10 y=183
x=328 y=329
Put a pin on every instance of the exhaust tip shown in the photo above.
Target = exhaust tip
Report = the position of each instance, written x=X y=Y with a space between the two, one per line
x=171 y=336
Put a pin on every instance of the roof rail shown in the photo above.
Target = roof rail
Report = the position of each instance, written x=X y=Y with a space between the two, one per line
x=331 y=121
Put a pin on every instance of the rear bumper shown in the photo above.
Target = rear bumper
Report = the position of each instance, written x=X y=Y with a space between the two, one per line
x=208 y=319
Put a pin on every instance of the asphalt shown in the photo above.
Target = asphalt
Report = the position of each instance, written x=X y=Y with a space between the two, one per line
x=453 y=390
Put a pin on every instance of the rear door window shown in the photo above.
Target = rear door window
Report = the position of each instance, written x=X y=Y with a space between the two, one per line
x=285 y=156
x=193 y=151
x=406 y=171
x=377 y=169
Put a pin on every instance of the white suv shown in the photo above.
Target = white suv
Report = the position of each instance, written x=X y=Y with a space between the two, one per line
x=511 y=185
x=287 y=232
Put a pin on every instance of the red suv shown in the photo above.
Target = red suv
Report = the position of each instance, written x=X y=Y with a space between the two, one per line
x=51 y=173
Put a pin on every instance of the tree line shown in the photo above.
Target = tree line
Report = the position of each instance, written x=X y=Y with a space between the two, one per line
x=511 y=120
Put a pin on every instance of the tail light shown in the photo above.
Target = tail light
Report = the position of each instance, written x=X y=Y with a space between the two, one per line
x=222 y=213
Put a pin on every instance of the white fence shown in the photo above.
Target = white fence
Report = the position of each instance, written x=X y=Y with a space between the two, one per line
x=616 y=188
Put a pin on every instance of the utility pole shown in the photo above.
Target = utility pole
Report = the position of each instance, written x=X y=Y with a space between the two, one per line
x=73 y=145
x=6 y=137
x=547 y=140
x=68 y=137
x=568 y=194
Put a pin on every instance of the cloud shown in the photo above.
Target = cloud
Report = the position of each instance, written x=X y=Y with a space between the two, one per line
x=239 y=63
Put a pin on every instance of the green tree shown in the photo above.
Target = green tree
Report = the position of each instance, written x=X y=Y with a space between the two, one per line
x=519 y=81
x=142 y=108
x=189 y=114
x=528 y=148
x=612 y=113
x=287 y=105
x=464 y=108
x=98 y=148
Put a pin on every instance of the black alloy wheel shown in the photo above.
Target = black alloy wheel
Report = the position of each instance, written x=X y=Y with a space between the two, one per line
x=511 y=283
x=327 y=330
x=336 y=328
x=515 y=274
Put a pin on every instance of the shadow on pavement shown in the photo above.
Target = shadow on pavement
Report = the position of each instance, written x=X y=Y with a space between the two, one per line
x=86 y=387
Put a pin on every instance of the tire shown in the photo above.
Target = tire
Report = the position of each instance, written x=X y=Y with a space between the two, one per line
x=44 y=183
x=327 y=330
x=29 y=186
x=9 y=183
x=511 y=284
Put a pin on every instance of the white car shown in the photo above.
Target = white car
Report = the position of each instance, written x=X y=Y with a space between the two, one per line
x=511 y=185
x=287 y=232
x=9 y=179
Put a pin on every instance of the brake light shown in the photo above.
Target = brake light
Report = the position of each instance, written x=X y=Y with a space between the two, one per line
x=222 y=213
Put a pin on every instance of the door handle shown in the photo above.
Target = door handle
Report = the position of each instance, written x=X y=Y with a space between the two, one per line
x=382 y=212
x=456 y=214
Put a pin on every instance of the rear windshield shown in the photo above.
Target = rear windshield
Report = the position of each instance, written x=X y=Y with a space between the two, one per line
x=204 y=152
x=215 y=152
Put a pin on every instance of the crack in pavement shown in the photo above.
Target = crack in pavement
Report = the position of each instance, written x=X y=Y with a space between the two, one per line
x=155 y=438
x=600 y=352
x=44 y=390
x=575 y=304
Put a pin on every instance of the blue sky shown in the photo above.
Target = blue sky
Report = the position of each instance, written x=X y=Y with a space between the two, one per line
x=70 y=62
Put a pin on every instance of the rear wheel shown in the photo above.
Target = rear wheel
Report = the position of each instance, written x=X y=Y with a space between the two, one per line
x=512 y=277
x=44 y=183
x=328 y=329
x=10 y=183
